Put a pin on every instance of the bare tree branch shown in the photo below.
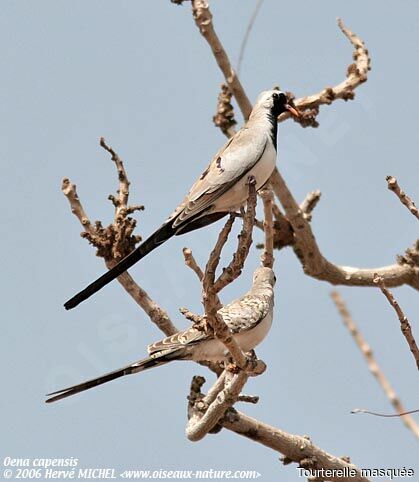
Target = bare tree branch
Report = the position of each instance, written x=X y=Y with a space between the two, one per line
x=225 y=393
x=372 y=363
x=117 y=240
x=309 y=203
x=208 y=279
x=294 y=447
x=317 y=266
x=235 y=267
x=404 y=322
x=198 y=319
x=356 y=75
x=124 y=183
x=393 y=185
x=203 y=20
x=191 y=263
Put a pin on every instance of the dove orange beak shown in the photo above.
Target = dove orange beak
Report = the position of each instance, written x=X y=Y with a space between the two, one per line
x=293 y=110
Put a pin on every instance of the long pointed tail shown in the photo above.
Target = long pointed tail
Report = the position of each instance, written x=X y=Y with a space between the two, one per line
x=156 y=239
x=136 y=367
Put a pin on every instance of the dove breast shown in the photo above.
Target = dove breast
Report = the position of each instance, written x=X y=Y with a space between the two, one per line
x=213 y=350
x=237 y=195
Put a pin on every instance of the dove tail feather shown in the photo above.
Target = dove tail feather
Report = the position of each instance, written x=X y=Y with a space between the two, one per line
x=199 y=222
x=164 y=233
x=136 y=367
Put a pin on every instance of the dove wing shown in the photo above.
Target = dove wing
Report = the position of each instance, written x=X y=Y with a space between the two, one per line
x=178 y=340
x=236 y=158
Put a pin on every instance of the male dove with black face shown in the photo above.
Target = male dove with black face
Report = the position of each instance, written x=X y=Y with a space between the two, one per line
x=249 y=319
x=221 y=188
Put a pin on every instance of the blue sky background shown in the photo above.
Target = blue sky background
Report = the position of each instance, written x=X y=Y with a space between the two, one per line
x=139 y=74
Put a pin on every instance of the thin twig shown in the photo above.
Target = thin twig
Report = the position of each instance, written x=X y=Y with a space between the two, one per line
x=189 y=315
x=386 y=415
x=372 y=363
x=356 y=75
x=309 y=203
x=393 y=185
x=124 y=183
x=404 y=322
x=215 y=255
x=247 y=34
x=191 y=263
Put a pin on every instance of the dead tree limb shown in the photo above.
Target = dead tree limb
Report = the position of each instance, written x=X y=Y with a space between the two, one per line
x=404 y=322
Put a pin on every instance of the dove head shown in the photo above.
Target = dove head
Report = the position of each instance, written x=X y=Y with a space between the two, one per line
x=264 y=276
x=275 y=102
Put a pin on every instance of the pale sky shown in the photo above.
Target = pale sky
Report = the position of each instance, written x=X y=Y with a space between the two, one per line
x=139 y=74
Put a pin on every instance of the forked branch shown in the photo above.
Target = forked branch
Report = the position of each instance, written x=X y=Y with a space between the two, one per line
x=210 y=287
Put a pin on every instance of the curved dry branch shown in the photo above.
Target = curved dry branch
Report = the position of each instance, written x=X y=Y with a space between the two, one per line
x=294 y=448
x=223 y=395
x=317 y=266
x=357 y=73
